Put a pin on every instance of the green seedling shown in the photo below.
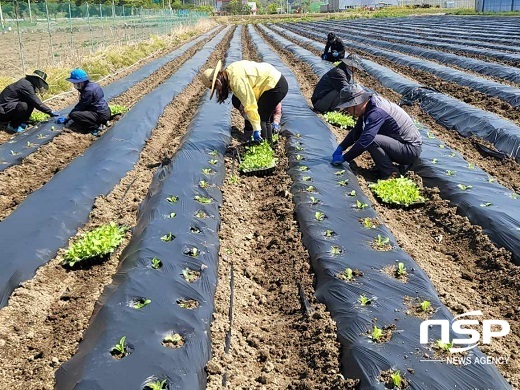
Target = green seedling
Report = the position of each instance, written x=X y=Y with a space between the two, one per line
x=434 y=161
x=339 y=119
x=471 y=166
x=95 y=243
x=156 y=263
x=335 y=250
x=453 y=154
x=299 y=147
x=430 y=135
x=348 y=274
x=213 y=161
x=213 y=152
x=194 y=229
x=168 y=237
x=298 y=135
x=41 y=136
x=450 y=172
x=343 y=183
x=364 y=300
x=381 y=241
x=299 y=157
x=360 y=205
x=193 y=252
x=304 y=168
x=190 y=275
x=425 y=305
x=310 y=189
x=401 y=270
x=319 y=216
x=172 y=215
x=116 y=109
x=441 y=146
x=157 y=385
x=400 y=190
x=341 y=172
x=352 y=193
x=202 y=199
x=53 y=128
x=37 y=116
x=201 y=214
x=188 y=303
x=173 y=199
x=234 y=179
x=307 y=178
x=13 y=153
x=173 y=340
x=29 y=144
x=367 y=222
x=330 y=233
x=396 y=379
x=120 y=348
x=486 y=204
x=512 y=195
x=376 y=333
x=491 y=179
x=446 y=347
x=203 y=184
x=258 y=157
x=140 y=303
x=314 y=201
x=206 y=171
x=464 y=187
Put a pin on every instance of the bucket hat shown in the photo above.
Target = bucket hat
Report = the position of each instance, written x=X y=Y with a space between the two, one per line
x=210 y=76
x=331 y=36
x=78 y=76
x=353 y=61
x=40 y=77
x=352 y=95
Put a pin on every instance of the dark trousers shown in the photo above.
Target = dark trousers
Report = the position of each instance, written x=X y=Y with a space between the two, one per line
x=17 y=114
x=387 y=150
x=327 y=102
x=266 y=105
x=331 y=58
x=88 y=120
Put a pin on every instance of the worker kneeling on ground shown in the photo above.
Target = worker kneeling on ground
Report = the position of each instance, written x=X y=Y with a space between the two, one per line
x=383 y=128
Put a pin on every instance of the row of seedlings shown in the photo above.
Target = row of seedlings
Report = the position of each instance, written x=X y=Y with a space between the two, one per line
x=462 y=117
x=20 y=146
x=45 y=221
x=478 y=197
x=152 y=329
x=372 y=288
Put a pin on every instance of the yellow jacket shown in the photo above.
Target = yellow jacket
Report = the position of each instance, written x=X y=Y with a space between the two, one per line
x=248 y=80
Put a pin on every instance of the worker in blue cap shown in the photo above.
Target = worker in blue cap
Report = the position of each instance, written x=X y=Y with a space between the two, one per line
x=92 y=111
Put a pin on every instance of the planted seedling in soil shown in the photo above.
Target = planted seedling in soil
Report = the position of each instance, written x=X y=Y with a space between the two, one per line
x=330 y=233
x=213 y=161
x=234 y=179
x=304 y=168
x=341 y=172
x=299 y=157
x=258 y=157
x=190 y=275
x=193 y=252
x=399 y=191
x=377 y=333
x=319 y=216
x=352 y=193
x=95 y=244
x=360 y=205
x=157 y=385
x=201 y=214
x=434 y=161
x=350 y=275
x=156 y=263
x=168 y=237
x=188 y=303
x=381 y=335
x=382 y=243
x=442 y=346
x=393 y=379
x=173 y=199
x=364 y=300
x=370 y=223
x=343 y=183
x=486 y=204
x=307 y=178
x=203 y=184
x=418 y=308
x=425 y=306
x=213 y=152
x=299 y=147
x=41 y=136
x=310 y=189
x=339 y=119
x=120 y=350
x=194 y=230
x=13 y=153
x=171 y=215
x=314 y=201
x=450 y=172
x=464 y=187
x=202 y=199
x=400 y=271
x=173 y=340
x=335 y=250
x=140 y=303
x=207 y=171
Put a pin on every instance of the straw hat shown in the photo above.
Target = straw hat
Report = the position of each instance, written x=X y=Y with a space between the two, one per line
x=209 y=77
x=39 y=77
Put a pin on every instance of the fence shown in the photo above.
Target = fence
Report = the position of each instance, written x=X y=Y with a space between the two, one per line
x=38 y=34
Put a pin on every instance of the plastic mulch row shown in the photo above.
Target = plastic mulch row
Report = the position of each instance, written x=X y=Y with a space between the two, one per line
x=332 y=210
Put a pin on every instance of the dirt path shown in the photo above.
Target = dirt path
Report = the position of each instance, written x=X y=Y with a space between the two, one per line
x=467 y=270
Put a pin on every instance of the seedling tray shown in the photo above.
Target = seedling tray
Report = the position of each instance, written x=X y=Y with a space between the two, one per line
x=240 y=150
x=414 y=205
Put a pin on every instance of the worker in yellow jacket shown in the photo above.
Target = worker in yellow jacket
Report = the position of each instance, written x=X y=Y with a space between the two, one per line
x=257 y=85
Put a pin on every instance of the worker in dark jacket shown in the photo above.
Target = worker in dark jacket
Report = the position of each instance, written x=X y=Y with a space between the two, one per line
x=18 y=100
x=383 y=128
x=92 y=110
x=326 y=94
x=336 y=46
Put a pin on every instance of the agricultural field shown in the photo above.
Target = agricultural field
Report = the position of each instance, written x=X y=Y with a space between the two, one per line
x=299 y=279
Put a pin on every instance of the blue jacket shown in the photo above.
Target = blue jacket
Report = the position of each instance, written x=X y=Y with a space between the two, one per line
x=92 y=98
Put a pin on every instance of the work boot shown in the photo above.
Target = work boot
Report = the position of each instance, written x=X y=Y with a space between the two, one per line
x=12 y=129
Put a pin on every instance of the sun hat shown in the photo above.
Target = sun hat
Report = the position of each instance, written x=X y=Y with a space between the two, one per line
x=352 y=95
x=353 y=61
x=78 y=76
x=39 y=76
x=210 y=76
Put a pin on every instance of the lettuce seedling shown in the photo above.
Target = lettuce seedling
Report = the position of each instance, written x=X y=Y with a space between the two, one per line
x=486 y=204
x=203 y=184
x=453 y=154
x=376 y=333
x=364 y=300
x=29 y=144
x=156 y=263
x=330 y=233
x=464 y=187
x=201 y=214
x=202 y=199
x=96 y=243
x=444 y=346
x=314 y=201
x=319 y=216
x=157 y=385
x=381 y=241
x=401 y=270
x=299 y=157
x=207 y=171
x=116 y=109
x=352 y=193
x=41 y=136
x=304 y=168
x=360 y=205
x=441 y=146
x=341 y=172
x=335 y=250
x=449 y=172
x=213 y=161
x=307 y=178
x=343 y=183
x=190 y=275
x=173 y=199
x=396 y=379
x=171 y=215
x=430 y=135
x=310 y=189
x=193 y=252
x=348 y=274
x=173 y=340
x=168 y=237
x=120 y=348
x=258 y=157
x=367 y=222
x=434 y=161
x=339 y=119
x=13 y=153
x=234 y=179
x=425 y=305
x=299 y=147
x=401 y=191
x=491 y=179
x=140 y=303
x=471 y=165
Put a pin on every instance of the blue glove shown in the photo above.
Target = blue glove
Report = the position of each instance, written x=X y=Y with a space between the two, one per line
x=335 y=54
x=276 y=128
x=337 y=156
x=257 y=136
x=324 y=57
x=61 y=120
x=54 y=113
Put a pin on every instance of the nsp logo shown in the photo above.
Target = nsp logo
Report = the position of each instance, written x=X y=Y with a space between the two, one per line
x=459 y=326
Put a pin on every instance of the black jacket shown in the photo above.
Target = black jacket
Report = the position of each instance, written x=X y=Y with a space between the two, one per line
x=335 y=45
x=21 y=91
x=335 y=79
